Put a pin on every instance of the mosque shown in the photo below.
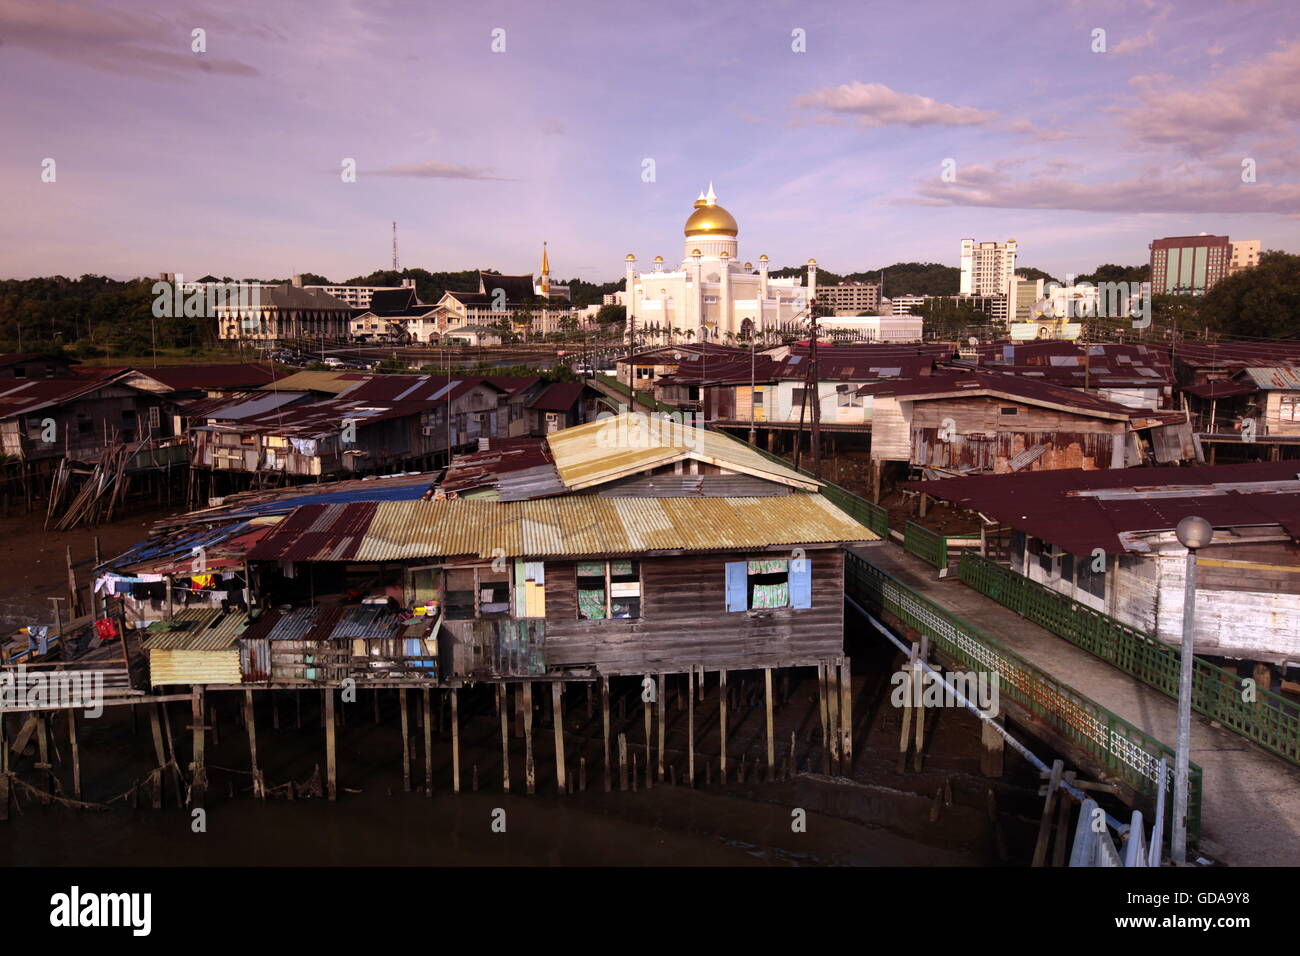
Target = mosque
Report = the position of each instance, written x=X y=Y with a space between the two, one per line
x=713 y=296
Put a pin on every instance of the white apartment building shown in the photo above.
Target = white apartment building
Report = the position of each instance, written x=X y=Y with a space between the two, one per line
x=987 y=267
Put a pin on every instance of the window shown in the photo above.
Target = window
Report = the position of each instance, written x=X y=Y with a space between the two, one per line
x=847 y=398
x=609 y=589
x=1008 y=410
x=155 y=419
x=1090 y=581
x=769 y=583
x=20 y=372
x=458 y=589
x=1289 y=411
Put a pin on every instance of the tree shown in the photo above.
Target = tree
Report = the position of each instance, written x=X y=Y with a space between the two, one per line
x=1260 y=302
x=611 y=314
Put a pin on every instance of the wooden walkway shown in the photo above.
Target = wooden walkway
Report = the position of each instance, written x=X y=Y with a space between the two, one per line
x=1251 y=803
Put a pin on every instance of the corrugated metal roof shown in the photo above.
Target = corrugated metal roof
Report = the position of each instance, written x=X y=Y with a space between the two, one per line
x=317 y=532
x=621 y=445
x=1280 y=377
x=208 y=630
x=592 y=525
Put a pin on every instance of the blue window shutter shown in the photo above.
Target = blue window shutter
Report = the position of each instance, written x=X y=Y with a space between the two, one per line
x=801 y=583
x=737 y=580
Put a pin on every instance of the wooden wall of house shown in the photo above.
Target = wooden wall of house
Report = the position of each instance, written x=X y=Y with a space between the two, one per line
x=1274 y=422
x=1252 y=613
x=890 y=434
x=684 y=620
x=988 y=439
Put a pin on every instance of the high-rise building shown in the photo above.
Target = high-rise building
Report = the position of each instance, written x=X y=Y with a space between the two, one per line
x=1245 y=254
x=987 y=267
x=1188 y=265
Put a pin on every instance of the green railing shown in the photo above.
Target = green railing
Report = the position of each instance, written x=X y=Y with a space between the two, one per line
x=1270 y=720
x=1121 y=749
x=930 y=547
x=855 y=506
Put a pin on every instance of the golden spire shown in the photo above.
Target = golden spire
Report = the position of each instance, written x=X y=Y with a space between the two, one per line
x=546 y=271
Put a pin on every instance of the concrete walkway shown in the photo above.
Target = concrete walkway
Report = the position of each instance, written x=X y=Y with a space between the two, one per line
x=1250 y=814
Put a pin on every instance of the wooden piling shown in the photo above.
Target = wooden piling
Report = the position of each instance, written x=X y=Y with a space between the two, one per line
x=557 y=725
x=428 y=743
x=198 y=772
x=622 y=761
x=331 y=752
x=1049 y=804
x=690 y=727
x=604 y=712
x=722 y=725
x=406 y=740
x=663 y=725
x=648 y=715
x=76 y=753
x=503 y=712
x=455 y=741
x=526 y=704
x=824 y=713
x=918 y=758
x=771 y=729
x=833 y=712
x=1062 y=824
x=250 y=722
x=846 y=717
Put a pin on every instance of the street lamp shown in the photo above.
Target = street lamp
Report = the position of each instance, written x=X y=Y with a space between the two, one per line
x=753 y=344
x=1193 y=533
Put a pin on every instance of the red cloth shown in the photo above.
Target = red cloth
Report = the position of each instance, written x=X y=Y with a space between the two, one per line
x=106 y=629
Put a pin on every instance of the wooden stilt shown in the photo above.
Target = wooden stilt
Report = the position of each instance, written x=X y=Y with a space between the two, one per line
x=406 y=740
x=992 y=749
x=557 y=723
x=918 y=758
x=43 y=757
x=663 y=725
x=722 y=725
x=428 y=743
x=455 y=741
x=160 y=755
x=648 y=713
x=905 y=735
x=331 y=753
x=275 y=711
x=250 y=722
x=690 y=727
x=622 y=761
x=1062 y=824
x=175 y=763
x=526 y=705
x=198 y=772
x=824 y=713
x=604 y=712
x=1049 y=804
x=846 y=718
x=771 y=729
x=503 y=711
x=833 y=711
x=76 y=753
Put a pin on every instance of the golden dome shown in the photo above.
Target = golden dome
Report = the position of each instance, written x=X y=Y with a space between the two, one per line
x=711 y=221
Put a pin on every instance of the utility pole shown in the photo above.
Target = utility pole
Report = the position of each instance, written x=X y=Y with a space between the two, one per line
x=395 y=269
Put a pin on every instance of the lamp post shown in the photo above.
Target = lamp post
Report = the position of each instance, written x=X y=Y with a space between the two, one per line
x=1193 y=533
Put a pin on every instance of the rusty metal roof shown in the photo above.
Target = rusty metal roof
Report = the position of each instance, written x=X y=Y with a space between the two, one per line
x=621 y=445
x=554 y=527
x=1017 y=388
x=1079 y=511
x=202 y=629
x=1275 y=378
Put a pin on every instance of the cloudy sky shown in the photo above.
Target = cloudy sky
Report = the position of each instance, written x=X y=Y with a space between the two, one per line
x=229 y=161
